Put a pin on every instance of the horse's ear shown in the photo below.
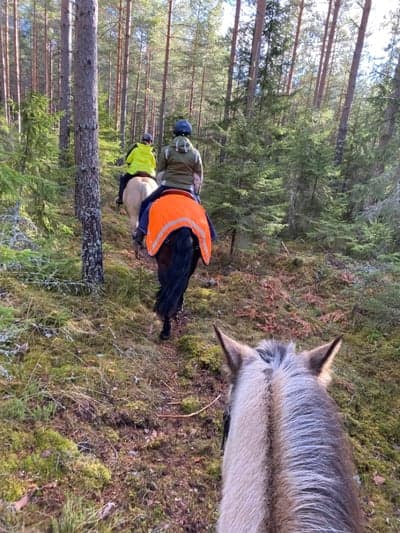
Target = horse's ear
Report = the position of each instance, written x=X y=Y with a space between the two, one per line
x=320 y=360
x=235 y=351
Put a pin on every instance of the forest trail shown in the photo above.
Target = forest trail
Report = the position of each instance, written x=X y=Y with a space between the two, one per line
x=95 y=414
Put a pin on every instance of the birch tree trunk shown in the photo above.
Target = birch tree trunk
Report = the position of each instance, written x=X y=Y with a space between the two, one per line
x=86 y=141
x=65 y=80
x=125 y=72
x=344 y=119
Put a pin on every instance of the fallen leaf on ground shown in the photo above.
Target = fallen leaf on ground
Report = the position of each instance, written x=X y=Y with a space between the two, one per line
x=378 y=480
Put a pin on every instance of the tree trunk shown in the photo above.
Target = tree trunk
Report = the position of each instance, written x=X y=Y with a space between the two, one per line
x=232 y=58
x=118 y=72
x=322 y=53
x=3 y=68
x=390 y=118
x=86 y=141
x=255 y=54
x=34 y=63
x=342 y=131
x=199 y=120
x=125 y=73
x=147 y=90
x=325 y=66
x=165 y=79
x=46 y=86
x=134 y=118
x=17 y=79
x=65 y=80
x=295 y=46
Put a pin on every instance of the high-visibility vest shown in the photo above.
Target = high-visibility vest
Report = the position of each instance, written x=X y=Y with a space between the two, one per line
x=173 y=211
x=141 y=158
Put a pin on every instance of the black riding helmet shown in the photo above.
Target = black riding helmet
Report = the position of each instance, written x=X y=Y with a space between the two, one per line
x=182 y=127
x=147 y=138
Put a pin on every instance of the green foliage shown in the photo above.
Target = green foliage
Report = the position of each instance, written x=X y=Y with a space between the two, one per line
x=77 y=516
x=34 y=403
x=381 y=308
x=44 y=268
x=245 y=194
x=360 y=239
x=306 y=164
x=38 y=152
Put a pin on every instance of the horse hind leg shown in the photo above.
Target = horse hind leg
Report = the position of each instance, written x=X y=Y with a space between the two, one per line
x=166 y=330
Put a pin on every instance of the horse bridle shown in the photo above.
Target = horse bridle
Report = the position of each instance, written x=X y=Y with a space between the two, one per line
x=226 y=421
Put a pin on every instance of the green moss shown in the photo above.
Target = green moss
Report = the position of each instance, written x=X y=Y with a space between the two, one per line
x=190 y=404
x=12 y=488
x=6 y=317
x=13 y=409
x=90 y=473
x=201 y=301
x=14 y=440
x=51 y=439
x=211 y=359
x=213 y=469
x=193 y=348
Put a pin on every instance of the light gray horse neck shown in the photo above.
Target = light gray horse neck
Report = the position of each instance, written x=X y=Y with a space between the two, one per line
x=286 y=464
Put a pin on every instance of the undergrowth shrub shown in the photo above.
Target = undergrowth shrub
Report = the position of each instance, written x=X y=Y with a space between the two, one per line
x=43 y=268
x=381 y=309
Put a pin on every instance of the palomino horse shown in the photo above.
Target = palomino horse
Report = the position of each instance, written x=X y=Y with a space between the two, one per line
x=286 y=466
x=176 y=260
x=136 y=190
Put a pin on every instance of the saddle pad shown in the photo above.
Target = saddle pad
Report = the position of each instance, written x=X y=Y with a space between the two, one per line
x=173 y=211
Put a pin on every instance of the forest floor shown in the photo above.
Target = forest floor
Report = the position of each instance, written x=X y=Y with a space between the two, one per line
x=98 y=430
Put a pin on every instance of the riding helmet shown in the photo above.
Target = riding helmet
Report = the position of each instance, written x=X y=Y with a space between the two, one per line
x=147 y=138
x=182 y=127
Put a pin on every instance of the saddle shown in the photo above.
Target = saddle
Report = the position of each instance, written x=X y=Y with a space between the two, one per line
x=177 y=209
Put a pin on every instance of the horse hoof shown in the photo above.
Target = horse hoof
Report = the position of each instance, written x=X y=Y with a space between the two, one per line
x=164 y=336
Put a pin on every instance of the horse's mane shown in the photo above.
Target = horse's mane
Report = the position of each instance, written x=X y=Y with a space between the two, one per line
x=308 y=474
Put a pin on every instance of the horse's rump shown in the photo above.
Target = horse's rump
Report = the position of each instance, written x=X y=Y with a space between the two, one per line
x=136 y=190
x=173 y=211
x=177 y=260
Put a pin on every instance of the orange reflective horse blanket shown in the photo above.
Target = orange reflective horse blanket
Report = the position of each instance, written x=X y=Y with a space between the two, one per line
x=176 y=210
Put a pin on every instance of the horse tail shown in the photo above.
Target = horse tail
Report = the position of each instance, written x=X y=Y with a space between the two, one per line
x=175 y=278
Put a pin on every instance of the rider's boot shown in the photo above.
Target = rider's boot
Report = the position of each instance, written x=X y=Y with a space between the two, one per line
x=138 y=237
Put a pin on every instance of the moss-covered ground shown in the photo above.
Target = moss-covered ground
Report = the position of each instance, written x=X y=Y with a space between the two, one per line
x=94 y=432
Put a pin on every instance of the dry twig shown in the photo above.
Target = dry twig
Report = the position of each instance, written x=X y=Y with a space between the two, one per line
x=192 y=414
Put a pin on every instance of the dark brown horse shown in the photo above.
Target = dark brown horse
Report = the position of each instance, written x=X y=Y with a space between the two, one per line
x=287 y=466
x=177 y=260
